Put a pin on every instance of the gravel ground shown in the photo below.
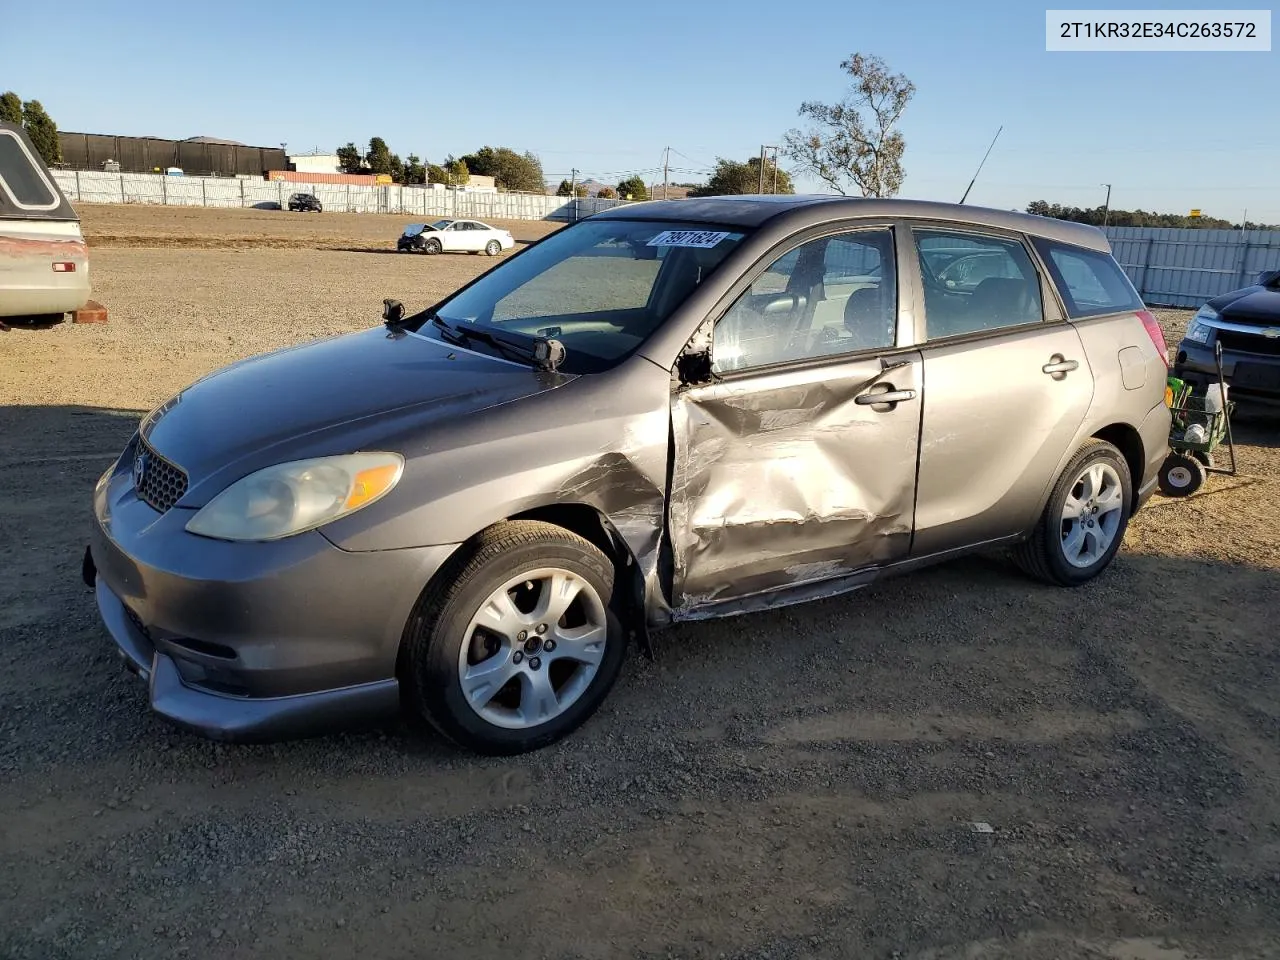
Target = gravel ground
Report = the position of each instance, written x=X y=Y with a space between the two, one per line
x=799 y=784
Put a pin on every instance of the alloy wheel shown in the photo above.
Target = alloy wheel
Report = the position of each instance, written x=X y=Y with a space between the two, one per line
x=532 y=648
x=1091 y=515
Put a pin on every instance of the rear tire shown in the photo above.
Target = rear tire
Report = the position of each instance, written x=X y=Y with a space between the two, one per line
x=493 y=248
x=1084 y=522
x=484 y=611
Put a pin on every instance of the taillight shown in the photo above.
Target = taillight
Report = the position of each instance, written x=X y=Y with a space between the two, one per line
x=1155 y=333
x=64 y=266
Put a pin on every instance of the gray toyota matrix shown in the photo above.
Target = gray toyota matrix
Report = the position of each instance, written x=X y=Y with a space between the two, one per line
x=665 y=412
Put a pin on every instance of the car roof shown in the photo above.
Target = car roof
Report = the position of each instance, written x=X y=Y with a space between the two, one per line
x=754 y=210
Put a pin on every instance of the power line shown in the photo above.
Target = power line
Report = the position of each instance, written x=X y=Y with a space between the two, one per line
x=701 y=163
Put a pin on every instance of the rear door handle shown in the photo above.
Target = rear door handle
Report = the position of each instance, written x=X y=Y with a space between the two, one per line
x=1057 y=364
x=890 y=396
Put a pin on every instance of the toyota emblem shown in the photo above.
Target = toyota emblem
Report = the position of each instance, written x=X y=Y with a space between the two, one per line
x=1271 y=333
x=139 y=470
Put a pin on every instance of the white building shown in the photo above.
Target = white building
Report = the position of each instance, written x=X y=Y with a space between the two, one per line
x=314 y=162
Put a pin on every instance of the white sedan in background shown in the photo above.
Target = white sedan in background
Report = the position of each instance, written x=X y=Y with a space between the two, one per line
x=470 y=236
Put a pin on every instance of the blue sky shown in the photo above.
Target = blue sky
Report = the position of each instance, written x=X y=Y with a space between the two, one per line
x=606 y=87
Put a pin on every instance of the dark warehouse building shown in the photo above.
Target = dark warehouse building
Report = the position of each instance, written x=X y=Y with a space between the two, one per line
x=197 y=156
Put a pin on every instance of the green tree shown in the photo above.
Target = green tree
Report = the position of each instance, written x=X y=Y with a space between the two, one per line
x=457 y=170
x=437 y=173
x=606 y=193
x=349 y=159
x=633 y=188
x=379 y=157
x=854 y=144
x=1098 y=216
x=414 y=171
x=581 y=191
x=10 y=108
x=510 y=170
x=731 y=177
x=565 y=189
x=42 y=131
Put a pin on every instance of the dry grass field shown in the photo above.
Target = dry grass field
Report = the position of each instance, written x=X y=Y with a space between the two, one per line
x=800 y=783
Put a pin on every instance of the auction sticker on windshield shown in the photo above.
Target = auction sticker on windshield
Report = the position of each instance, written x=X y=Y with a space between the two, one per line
x=687 y=238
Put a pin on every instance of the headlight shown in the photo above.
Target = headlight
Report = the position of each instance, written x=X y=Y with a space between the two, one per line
x=291 y=498
x=1198 y=330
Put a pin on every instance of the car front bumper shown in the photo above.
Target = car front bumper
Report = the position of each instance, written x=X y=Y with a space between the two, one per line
x=1251 y=376
x=251 y=641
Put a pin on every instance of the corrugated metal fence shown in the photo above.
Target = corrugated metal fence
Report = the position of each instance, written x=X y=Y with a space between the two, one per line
x=1174 y=267
x=92 y=186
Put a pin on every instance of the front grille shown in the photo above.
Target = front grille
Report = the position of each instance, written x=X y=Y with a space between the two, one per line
x=163 y=484
x=1248 y=343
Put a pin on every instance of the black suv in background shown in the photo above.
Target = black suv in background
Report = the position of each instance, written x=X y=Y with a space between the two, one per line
x=304 y=203
x=1247 y=324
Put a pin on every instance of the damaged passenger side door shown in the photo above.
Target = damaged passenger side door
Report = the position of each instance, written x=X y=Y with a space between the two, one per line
x=795 y=451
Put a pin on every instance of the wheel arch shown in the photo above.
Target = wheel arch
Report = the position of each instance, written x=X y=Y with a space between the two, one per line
x=578 y=518
x=1125 y=438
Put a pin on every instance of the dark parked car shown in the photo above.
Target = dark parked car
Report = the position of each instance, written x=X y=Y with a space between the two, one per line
x=305 y=203
x=669 y=411
x=1247 y=324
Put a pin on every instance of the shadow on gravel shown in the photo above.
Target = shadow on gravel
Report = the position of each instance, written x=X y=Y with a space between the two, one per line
x=799 y=783
x=43 y=321
x=1256 y=425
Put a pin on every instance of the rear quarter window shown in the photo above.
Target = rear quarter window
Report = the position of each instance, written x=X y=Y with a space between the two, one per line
x=1091 y=283
x=21 y=178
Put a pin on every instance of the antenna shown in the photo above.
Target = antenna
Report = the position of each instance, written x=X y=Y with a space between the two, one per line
x=984 y=160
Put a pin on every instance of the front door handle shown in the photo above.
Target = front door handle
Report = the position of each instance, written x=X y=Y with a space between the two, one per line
x=1059 y=365
x=889 y=396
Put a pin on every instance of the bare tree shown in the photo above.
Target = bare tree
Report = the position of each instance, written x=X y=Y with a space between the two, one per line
x=854 y=143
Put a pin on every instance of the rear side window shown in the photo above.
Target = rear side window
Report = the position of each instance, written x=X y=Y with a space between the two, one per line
x=975 y=283
x=1091 y=283
x=21 y=178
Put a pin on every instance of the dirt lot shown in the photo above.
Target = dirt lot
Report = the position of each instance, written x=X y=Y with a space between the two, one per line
x=801 y=784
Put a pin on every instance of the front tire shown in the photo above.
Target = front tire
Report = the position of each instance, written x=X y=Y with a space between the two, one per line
x=431 y=247
x=520 y=641
x=1084 y=522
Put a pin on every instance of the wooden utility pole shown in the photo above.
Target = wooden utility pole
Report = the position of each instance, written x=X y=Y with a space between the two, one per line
x=666 y=163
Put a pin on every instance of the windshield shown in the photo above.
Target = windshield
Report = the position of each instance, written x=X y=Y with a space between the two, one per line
x=600 y=287
x=441 y=224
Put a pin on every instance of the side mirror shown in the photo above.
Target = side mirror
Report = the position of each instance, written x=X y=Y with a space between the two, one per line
x=392 y=312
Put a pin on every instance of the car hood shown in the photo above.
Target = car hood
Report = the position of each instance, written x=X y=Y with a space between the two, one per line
x=333 y=396
x=1259 y=305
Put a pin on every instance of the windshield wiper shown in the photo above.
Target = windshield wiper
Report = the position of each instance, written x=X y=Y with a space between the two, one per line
x=546 y=354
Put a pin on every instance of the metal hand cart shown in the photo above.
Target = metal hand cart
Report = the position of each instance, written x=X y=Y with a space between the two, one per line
x=1196 y=432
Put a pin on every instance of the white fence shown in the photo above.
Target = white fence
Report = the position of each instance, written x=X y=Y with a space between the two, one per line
x=92 y=186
